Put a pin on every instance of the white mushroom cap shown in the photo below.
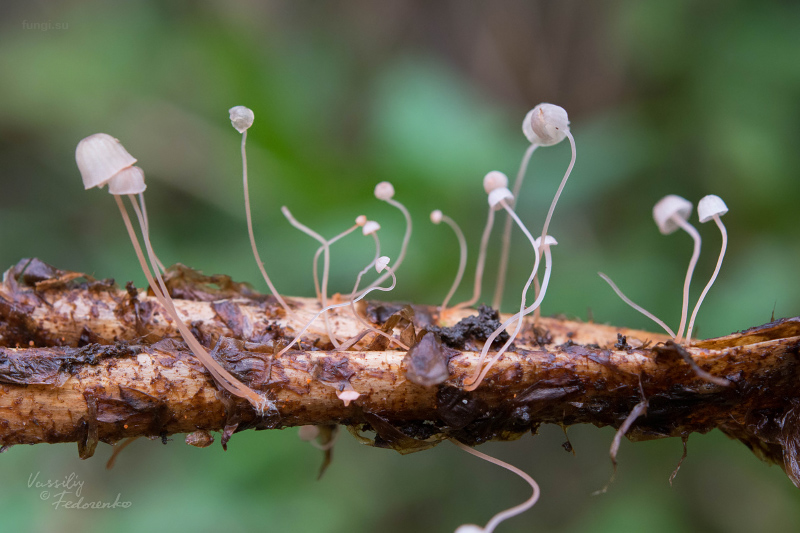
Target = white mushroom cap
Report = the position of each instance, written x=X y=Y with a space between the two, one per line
x=498 y=195
x=99 y=157
x=668 y=207
x=548 y=241
x=709 y=206
x=127 y=181
x=381 y=263
x=546 y=124
x=308 y=432
x=494 y=180
x=384 y=191
x=347 y=396
x=361 y=220
x=370 y=227
x=436 y=216
x=470 y=528
x=241 y=117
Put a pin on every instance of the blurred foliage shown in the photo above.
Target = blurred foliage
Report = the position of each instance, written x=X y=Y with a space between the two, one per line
x=681 y=97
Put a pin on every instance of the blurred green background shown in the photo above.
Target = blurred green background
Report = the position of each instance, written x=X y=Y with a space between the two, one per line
x=691 y=98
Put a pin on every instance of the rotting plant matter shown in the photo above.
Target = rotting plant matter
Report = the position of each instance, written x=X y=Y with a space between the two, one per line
x=66 y=338
x=86 y=362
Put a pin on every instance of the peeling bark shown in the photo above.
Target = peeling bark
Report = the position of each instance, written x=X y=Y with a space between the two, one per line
x=82 y=361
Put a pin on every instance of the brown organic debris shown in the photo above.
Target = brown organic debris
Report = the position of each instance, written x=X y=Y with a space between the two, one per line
x=83 y=361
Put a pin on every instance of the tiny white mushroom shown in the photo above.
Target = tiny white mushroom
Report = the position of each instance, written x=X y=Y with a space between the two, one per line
x=492 y=181
x=437 y=217
x=347 y=396
x=710 y=207
x=381 y=263
x=671 y=213
x=127 y=181
x=544 y=125
x=370 y=227
x=99 y=158
x=241 y=119
x=384 y=191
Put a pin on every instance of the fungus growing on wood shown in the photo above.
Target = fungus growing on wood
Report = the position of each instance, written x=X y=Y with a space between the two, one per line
x=544 y=125
x=437 y=217
x=241 y=119
x=100 y=160
x=710 y=207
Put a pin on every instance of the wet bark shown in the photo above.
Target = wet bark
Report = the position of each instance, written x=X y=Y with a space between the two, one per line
x=83 y=361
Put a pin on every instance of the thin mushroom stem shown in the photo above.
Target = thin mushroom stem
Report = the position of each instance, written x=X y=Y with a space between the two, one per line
x=555 y=201
x=315 y=264
x=561 y=186
x=476 y=292
x=403 y=247
x=361 y=295
x=219 y=374
x=688 y=228
x=639 y=308
x=233 y=385
x=353 y=302
x=147 y=228
x=256 y=255
x=502 y=268
x=326 y=260
x=462 y=261
x=722 y=230
x=477 y=377
x=514 y=511
x=519 y=318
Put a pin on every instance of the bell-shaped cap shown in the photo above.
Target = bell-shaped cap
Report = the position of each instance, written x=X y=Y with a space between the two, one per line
x=546 y=124
x=548 y=241
x=384 y=191
x=494 y=180
x=241 y=118
x=127 y=181
x=470 y=528
x=709 y=206
x=668 y=207
x=498 y=195
x=381 y=263
x=347 y=396
x=308 y=433
x=436 y=216
x=370 y=227
x=99 y=157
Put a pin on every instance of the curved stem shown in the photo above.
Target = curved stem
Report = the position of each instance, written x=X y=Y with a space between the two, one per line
x=462 y=261
x=688 y=228
x=478 y=375
x=508 y=513
x=353 y=303
x=403 y=247
x=502 y=268
x=147 y=229
x=326 y=261
x=639 y=308
x=257 y=257
x=722 y=230
x=336 y=306
x=314 y=266
x=476 y=293
x=219 y=374
x=560 y=187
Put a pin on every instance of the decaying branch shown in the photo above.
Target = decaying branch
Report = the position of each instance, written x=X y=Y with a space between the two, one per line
x=83 y=361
